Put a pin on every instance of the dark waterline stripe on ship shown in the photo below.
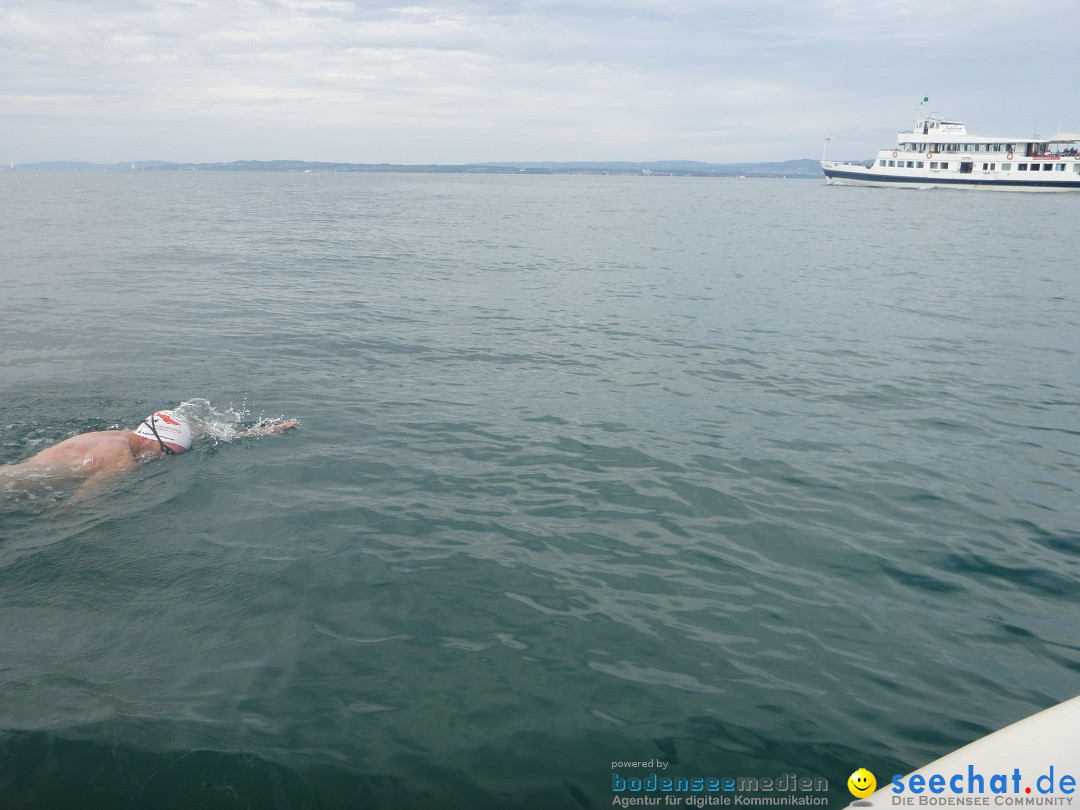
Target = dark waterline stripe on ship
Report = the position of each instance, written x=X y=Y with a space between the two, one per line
x=879 y=178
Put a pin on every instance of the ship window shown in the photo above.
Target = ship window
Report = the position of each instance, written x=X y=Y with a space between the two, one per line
x=993 y=166
x=892 y=162
x=881 y=163
x=986 y=167
x=911 y=164
x=918 y=164
x=1006 y=167
x=944 y=164
x=1021 y=167
x=1048 y=167
x=1060 y=167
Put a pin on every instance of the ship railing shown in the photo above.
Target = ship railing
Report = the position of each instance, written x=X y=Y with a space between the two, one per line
x=1056 y=154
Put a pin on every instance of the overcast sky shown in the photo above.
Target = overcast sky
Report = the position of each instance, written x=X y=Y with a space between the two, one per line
x=512 y=80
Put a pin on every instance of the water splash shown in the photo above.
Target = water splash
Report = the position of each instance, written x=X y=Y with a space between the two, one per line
x=224 y=424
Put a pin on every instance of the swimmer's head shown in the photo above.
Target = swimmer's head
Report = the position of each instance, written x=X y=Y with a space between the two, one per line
x=169 y=429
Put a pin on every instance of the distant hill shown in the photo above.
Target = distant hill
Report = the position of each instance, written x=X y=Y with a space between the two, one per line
x=787 y=168
x=692 y=168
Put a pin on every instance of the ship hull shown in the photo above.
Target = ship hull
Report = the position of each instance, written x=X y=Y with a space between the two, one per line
x=841 y=174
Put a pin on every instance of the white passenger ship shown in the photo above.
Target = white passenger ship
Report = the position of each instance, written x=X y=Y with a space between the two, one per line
x=941 y=153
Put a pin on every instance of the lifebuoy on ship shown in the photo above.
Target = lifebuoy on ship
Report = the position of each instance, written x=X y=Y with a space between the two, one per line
x=1009 y=156
x=929 y=155
x=894 y=153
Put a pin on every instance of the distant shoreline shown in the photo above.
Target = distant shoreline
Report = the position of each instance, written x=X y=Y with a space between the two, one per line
x=666 y=168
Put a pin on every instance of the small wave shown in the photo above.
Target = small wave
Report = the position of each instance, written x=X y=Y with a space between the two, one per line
x=224 y=424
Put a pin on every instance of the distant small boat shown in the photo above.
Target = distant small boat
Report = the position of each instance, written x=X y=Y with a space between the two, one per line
x=940 y=153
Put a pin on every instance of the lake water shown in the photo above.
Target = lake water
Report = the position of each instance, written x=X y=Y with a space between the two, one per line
x=736 y=477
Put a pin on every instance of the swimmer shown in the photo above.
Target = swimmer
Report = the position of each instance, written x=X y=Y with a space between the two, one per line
x=102 y=455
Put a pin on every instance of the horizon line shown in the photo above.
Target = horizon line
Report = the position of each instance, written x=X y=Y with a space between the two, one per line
x=796 y=165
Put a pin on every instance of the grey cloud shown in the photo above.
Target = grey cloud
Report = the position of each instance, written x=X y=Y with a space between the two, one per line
x=632 y=79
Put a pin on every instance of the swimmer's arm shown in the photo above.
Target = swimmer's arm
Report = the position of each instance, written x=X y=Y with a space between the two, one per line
x=266 y=430
x=97 y=481
x=114 y=467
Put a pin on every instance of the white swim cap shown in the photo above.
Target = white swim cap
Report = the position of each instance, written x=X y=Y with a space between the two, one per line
x=166 y=426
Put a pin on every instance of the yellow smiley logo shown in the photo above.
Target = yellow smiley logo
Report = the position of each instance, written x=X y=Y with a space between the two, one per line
x=861 y=783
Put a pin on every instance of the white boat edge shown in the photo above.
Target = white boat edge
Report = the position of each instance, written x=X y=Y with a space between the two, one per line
x=1037 y=758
